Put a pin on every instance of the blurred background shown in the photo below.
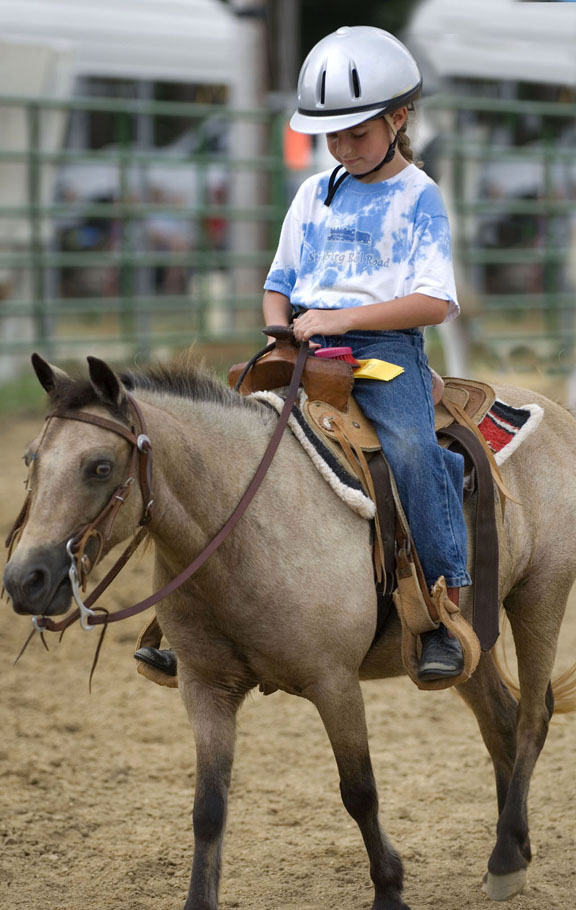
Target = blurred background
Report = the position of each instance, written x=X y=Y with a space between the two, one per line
x=146 y=164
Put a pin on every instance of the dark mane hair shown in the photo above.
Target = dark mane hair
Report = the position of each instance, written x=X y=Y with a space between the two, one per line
x=180 y=381
x=183 y=381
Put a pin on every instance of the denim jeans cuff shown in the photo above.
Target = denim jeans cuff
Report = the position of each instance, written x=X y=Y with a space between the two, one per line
x=458 y=581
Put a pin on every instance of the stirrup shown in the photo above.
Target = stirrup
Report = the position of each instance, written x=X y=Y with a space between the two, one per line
x=449 y=615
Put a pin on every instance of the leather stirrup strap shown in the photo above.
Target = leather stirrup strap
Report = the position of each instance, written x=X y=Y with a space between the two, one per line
x=358 y=462
x=485 y=568
x=411 y=582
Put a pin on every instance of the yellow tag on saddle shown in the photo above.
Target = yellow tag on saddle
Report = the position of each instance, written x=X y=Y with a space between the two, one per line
x=377 y=369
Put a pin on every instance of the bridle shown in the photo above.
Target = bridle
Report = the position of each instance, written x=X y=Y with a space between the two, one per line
x=100 y=528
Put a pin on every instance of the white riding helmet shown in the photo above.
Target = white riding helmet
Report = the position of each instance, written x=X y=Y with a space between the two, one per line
x=352 y=75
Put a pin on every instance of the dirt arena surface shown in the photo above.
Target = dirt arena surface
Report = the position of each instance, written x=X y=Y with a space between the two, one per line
x=96 y=790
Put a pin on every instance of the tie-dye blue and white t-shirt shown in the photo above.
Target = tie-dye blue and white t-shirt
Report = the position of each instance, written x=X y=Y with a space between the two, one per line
x=375 y=242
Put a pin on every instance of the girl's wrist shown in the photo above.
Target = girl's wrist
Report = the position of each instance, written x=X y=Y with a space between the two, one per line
x=353 y=318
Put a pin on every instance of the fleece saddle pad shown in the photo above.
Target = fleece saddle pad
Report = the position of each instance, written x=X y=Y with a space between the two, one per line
x=505 y=428
x=347 y=487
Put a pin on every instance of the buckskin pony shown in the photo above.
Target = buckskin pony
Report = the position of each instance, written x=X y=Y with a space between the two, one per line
x=288 y=600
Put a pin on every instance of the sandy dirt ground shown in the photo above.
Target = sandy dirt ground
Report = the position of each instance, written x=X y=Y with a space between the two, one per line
x=96 y=790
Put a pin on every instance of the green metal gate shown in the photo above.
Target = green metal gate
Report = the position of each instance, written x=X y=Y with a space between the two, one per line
x=86 y=267
x=509 y=176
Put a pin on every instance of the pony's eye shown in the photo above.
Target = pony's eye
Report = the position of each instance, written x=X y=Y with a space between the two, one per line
x=102 y=470
x=97 y=468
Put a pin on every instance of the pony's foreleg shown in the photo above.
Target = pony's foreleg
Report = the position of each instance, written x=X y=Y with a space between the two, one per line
x=213 y=714
x=341 y=708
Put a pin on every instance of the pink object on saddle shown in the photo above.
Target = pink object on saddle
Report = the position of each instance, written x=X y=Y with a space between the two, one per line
x=343 y=353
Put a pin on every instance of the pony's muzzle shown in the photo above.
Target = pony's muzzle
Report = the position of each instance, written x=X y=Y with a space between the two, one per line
x=39 y=583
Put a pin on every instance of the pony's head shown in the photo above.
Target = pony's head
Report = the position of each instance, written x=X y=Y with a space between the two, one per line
x=82 y=466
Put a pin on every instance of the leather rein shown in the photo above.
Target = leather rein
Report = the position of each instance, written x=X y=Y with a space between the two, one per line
x=141 y=467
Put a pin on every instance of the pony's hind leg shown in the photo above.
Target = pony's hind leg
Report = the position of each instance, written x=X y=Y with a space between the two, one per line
x=341 y=708
x=535 y=611
x=495 y=709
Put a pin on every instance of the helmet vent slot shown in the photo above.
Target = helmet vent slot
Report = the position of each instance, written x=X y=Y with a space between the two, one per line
x=323 y=88
x=355 y=83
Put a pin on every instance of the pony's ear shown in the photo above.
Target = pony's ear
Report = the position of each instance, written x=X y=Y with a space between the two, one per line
x=105 y=383
x=48 y=376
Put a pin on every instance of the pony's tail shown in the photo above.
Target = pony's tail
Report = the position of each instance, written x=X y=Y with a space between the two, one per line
x=564 y=689
x=563 y=686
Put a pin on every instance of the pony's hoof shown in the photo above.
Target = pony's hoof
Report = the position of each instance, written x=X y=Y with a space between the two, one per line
x=503 y=887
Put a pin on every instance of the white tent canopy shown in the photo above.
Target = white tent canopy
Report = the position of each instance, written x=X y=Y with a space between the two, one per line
x=175 y=40
x=497 y=39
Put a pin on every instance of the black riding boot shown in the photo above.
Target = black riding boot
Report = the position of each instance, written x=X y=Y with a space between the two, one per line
x=161 y=660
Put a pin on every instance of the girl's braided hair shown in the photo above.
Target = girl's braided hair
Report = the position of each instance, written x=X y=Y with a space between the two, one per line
x=405 y=146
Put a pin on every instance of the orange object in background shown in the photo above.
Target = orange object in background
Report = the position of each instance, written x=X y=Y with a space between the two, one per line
x=297 y=149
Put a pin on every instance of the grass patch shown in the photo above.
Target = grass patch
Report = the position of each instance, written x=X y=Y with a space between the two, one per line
x=22 y=396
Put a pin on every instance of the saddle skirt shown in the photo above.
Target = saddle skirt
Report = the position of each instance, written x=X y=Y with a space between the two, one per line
x=460 y=396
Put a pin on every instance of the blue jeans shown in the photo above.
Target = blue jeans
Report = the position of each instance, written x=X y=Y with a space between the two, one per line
x=429 y=477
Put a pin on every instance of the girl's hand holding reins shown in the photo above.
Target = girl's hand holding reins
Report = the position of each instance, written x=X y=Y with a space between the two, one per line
x=320 y=322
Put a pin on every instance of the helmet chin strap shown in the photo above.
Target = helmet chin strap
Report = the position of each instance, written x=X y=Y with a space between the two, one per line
x=386 y=159
x=335 y=182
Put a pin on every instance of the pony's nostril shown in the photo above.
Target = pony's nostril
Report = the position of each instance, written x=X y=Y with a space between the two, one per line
x=35 y=583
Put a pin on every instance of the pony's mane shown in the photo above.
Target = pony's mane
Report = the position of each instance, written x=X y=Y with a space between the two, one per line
x=190 y=382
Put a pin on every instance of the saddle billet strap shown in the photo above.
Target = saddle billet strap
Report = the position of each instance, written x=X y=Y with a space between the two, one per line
x=485 y=568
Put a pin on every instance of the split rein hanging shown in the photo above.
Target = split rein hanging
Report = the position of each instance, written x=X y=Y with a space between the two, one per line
x=142 y=449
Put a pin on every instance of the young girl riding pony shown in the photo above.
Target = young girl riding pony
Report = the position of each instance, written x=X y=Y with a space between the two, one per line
x=364 y=260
